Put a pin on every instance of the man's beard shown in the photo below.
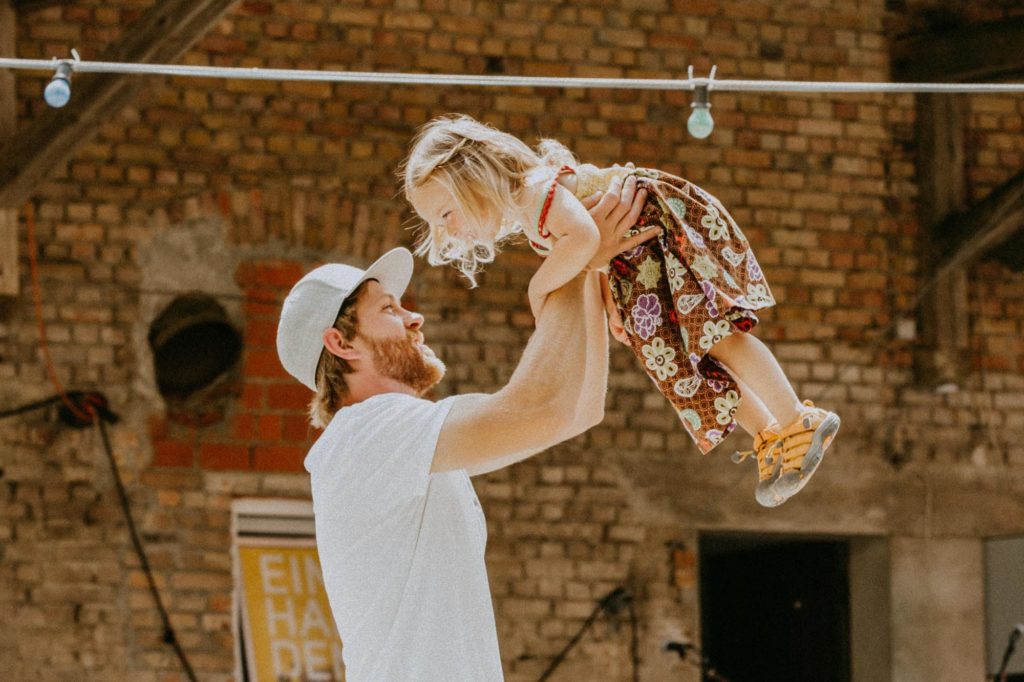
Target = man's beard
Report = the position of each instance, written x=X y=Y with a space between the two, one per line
x=406 y=362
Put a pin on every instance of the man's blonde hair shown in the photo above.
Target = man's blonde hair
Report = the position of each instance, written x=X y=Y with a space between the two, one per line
x=485 y=170
x=332 y=392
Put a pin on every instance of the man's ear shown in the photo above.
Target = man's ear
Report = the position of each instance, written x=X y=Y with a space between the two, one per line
x=336 y=344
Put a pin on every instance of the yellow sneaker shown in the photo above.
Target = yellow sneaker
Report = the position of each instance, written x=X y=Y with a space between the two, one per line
x=802 y=448
x=788 y=457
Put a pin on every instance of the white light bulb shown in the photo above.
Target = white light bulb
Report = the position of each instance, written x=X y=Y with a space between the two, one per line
x=57 y=92
x=700 y=124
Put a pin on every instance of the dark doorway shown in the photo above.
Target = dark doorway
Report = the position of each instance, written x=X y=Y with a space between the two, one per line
x=775 y=608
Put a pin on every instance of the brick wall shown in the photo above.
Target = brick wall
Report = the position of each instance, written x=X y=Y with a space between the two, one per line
x=236 y=188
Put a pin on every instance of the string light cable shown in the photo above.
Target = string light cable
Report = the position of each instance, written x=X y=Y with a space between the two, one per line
x=700 y=123
x=395 y=78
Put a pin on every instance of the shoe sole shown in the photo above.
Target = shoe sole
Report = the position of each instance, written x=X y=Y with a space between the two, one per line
x=765 y=492
x=778 y=490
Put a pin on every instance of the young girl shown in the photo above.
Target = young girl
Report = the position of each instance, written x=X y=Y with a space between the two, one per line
x=684 y=302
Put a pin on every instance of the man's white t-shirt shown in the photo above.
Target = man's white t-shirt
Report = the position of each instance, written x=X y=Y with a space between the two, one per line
x=402 y=550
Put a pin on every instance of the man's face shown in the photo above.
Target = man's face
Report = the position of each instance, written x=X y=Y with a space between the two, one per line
x=394 y=338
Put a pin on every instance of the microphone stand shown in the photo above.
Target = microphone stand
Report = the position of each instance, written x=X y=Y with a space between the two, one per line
x=613 y=602
x=1015 y=634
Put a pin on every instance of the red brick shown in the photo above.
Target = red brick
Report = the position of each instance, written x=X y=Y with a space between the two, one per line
x=297 y=428
x=244 y=426
x=261 y=334
x=253 y=396
x=672 y=41
x=223 y=44
x=846 y=110
x=281 y=274
x=278 y=458
x=264 y=364
x=169 y=453
x=293 y=396
x=260 y=306
x=219 y=456
x=269 y=427
x=253 y=7
x=157 y=425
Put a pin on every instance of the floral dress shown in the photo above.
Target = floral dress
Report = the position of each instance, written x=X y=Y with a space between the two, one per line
x=681 y=293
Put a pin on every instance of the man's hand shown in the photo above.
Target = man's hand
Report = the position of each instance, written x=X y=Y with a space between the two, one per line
x=614 y=319
x=615 y=212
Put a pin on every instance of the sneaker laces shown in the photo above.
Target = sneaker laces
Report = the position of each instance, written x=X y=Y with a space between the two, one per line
x=765 y=443
x=796 y=437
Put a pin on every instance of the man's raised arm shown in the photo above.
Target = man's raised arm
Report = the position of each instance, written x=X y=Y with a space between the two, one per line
x=558 y=389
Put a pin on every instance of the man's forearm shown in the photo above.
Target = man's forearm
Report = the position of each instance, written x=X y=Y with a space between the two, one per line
x=565 y=364
x=558 y=389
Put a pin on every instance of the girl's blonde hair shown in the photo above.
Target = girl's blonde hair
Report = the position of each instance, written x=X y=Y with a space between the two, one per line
x=485 y=170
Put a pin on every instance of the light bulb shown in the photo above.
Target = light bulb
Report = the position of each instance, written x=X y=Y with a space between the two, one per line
x=57 y=92
x=700 y=124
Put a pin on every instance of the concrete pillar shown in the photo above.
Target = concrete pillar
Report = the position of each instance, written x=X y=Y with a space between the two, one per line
x=938 y=618
x=870 y=610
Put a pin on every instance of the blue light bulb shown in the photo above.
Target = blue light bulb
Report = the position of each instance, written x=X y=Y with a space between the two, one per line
x=700 y=124
x=57 y=92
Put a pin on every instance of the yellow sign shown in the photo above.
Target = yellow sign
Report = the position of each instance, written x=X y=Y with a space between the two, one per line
x=289 y=632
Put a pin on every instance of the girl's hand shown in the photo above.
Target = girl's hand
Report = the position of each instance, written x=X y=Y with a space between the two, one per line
x=615 y=212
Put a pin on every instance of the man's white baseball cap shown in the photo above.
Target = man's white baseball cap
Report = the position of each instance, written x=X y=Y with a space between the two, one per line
x=313 y=304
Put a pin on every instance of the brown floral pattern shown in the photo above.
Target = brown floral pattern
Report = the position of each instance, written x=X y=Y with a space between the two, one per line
x=682 y=293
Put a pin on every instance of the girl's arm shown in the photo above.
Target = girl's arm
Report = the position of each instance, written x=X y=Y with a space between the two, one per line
x=576 y=239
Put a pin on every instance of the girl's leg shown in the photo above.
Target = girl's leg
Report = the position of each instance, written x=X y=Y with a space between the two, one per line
x=750 y=361
x=752 y=416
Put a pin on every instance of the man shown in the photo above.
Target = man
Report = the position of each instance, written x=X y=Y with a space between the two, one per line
x=400 y=531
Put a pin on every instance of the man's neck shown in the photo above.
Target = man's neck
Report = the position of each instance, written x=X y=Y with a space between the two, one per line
x=363 y=388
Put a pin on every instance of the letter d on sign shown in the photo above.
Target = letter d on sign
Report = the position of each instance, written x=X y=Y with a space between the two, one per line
x=287 y=661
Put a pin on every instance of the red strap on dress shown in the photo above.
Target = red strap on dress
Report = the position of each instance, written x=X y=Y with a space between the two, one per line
x=547 y=201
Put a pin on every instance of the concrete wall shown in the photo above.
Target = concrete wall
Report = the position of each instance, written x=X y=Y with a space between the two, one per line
x=237 y=188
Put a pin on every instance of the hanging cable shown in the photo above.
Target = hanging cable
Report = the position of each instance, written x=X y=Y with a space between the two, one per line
x=87 y=409
x=169 y=636
x=86 y=403
x=30 y=224
x=30 y=407
x=96 y=410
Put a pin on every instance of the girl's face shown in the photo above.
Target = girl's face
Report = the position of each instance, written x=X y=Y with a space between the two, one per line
x=436 y=205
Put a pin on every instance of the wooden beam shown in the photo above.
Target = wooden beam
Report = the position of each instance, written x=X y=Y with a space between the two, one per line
x=32 y=5
x=163 y=34
x=979 y=52
x=987 y=226
x=8 y=125
x=941 y=354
